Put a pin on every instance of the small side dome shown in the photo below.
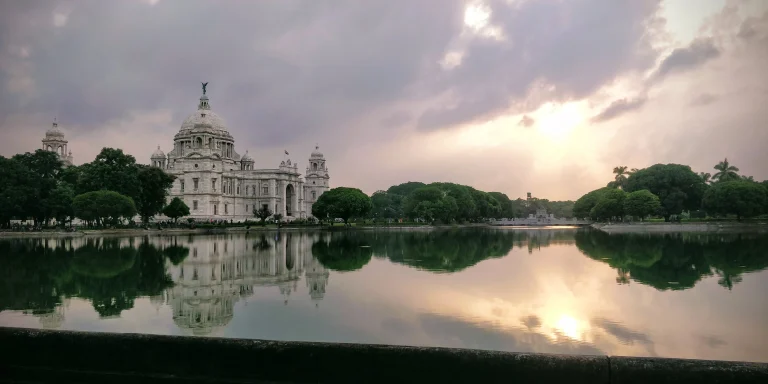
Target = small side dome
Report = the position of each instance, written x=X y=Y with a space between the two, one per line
x=246 y=158
x=158 y=154
x=54 y=132
x=316 y=154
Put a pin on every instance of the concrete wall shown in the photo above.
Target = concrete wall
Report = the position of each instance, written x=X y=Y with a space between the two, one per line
x=682 y=227
x=41 y=356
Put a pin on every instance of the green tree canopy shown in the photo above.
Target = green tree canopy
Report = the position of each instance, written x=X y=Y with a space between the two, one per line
x=112 y=170
x=740 y=198
x=677 y=186
x=44 y=168
x=641 y=204
x=176 y=209
x=103 y=206
x=17 y=191
x=154 y=184
x=609 y=205
x=405 y=189
x=60 y=203
x=385 y=206
x=343 y=203
x=583 y=206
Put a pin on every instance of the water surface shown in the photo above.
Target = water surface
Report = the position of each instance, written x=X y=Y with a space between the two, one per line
x=530 y=290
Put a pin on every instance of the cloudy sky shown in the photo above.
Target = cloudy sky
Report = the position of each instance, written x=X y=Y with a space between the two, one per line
x=545 y=96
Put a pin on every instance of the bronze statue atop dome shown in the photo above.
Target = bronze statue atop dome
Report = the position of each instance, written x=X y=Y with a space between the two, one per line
x=204 y=85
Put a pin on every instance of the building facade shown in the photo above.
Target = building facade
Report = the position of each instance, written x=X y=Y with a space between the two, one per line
x=54 y=141
x=217 y=183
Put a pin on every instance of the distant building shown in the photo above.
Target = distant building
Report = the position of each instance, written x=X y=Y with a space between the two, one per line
x=218 y=183
x=54 y=141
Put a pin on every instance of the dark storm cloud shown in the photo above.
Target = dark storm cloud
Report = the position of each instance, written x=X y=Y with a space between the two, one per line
x=285 y=69
x=618 y=108
x=576 y=46
x=279 y=68
x=681 y=59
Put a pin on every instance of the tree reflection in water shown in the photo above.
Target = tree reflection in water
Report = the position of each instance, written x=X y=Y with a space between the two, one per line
x=676 y=261
x=440 y=251
x=37 y=274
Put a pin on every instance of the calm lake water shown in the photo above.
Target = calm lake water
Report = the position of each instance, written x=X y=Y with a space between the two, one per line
x=532 y=290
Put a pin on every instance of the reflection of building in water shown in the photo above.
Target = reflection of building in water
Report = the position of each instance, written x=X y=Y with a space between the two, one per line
x=317 y=279
x=55 y=318
x=221 y=270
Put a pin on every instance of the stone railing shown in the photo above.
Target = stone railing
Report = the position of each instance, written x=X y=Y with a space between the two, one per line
x=543 y=221
x=44 y=356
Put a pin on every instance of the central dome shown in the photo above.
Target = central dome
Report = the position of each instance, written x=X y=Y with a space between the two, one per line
x=204 y=117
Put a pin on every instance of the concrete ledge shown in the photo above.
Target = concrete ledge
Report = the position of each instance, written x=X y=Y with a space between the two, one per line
x=703 y=227
x=43 y=356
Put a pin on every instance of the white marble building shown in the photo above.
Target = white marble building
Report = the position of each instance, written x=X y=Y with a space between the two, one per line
x=219 y=184
x=54 y=141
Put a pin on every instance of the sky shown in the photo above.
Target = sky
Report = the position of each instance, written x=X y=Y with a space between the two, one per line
x=515 y=96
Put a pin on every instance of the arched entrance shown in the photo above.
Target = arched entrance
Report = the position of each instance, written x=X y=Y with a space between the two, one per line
x=289 y=200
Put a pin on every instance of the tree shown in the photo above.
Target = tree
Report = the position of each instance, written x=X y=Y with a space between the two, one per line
x=176 y=209
x=677 y=187
x=583 y=206
x=262 y=213
x=725 y=172
x=621 y=176
x=278 y=217
x=384 y=206
x=15 y=190
x=153 y=189
x=706 y=177
x=405 y=189
x=103 y=207
x=112 y=170
x=320 y=210
x=505 y=203
x=60 y=203
x=641 y=204
x=344 y=203
x=610 y=204
x=740 y=198
x=44 y=168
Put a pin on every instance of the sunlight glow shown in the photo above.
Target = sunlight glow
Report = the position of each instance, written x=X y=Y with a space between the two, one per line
x=556 y=121
x=569 y=326
x=476 y=16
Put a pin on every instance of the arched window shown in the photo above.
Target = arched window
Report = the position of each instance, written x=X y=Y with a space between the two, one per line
x=199 y=142
x=314 y=195
x=314 y=166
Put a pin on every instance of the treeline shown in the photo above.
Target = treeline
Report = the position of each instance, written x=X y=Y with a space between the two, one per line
x=449 y=202
x=442 y=202
x=108 y=190
x=669 y=190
